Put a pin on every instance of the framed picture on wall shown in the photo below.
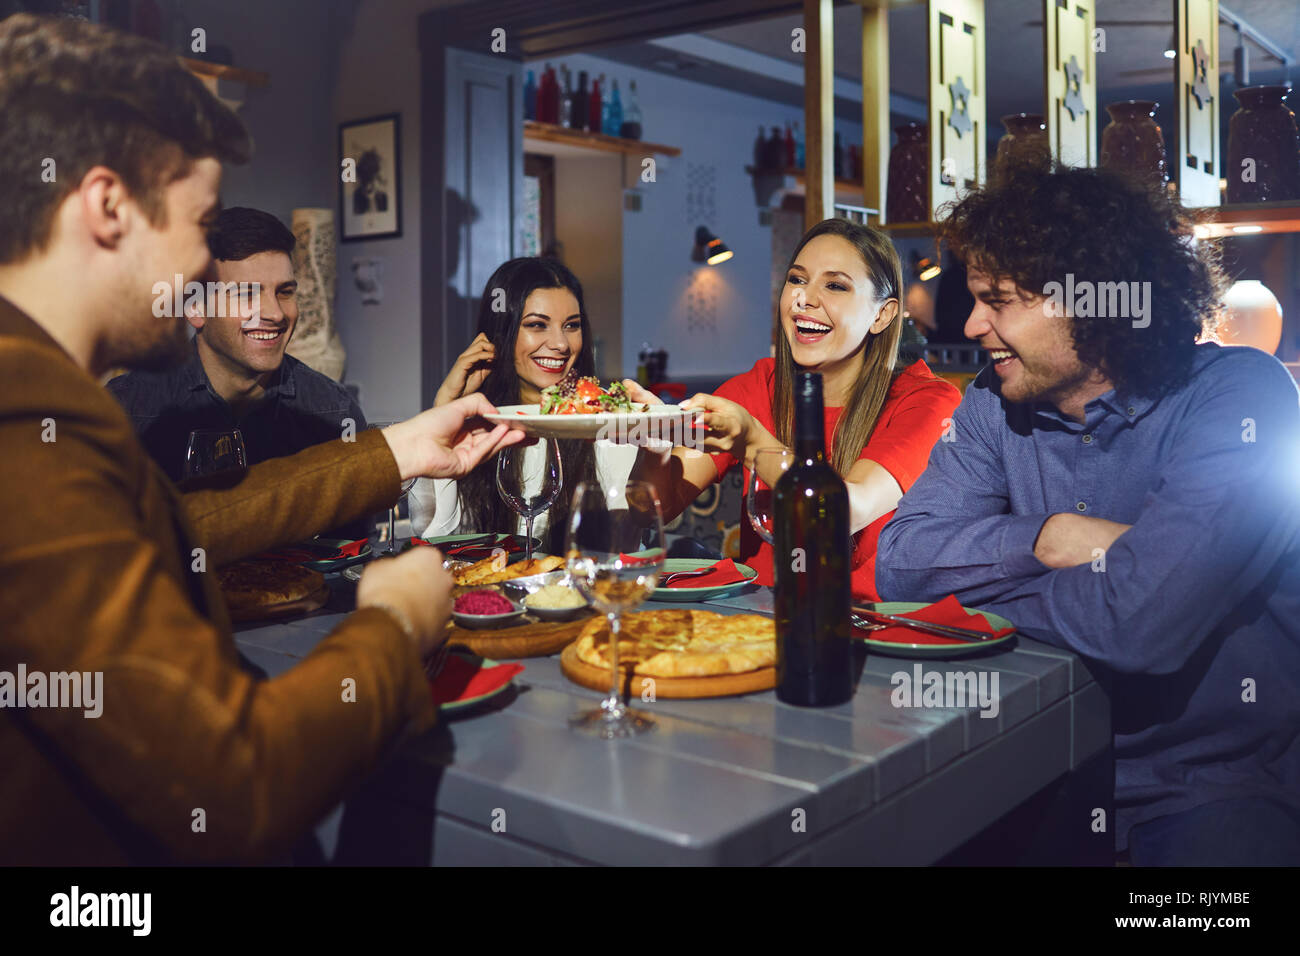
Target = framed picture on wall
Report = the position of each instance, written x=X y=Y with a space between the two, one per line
x=370 y=200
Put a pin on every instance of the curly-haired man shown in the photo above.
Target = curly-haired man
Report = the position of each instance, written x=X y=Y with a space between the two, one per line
x=1120 y=490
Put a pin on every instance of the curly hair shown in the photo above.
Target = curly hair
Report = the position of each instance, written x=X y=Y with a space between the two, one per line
x=1036 y=226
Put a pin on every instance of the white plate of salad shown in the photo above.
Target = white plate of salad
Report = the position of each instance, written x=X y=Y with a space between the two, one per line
x=581 y=408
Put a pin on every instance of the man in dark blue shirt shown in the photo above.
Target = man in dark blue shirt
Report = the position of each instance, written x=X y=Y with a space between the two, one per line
x=1115 y=488
x=238 y=374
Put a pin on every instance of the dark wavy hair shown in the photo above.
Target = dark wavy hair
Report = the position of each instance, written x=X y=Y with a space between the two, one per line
x=1034 y=226
x=241 y=232
x=479 y=497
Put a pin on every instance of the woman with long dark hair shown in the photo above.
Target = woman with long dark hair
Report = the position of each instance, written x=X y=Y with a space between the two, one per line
x=532 y=330
x=839 y=315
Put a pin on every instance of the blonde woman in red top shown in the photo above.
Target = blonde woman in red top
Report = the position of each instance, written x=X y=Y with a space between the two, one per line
x=839 y=313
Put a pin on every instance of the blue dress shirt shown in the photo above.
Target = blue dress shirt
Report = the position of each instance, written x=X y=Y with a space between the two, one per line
x=1191 y=620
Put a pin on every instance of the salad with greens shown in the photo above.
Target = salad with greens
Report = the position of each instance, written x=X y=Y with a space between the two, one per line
x=584 y=396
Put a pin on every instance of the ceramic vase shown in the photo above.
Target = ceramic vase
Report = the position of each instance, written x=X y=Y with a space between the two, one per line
x=908 y=192
x=315 y=340
x=1132 y=142
x=1024 y=143
x=1263 y=147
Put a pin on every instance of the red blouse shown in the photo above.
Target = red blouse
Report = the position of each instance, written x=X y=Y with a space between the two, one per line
x=910 y=423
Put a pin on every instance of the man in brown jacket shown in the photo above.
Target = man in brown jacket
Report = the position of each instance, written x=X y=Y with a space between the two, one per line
x=109 y=170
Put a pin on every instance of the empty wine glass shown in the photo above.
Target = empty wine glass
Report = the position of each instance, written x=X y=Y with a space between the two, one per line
x=614 y=556
x=515 y=484
x=211 y=451
x=392 y=512
x=758 y=494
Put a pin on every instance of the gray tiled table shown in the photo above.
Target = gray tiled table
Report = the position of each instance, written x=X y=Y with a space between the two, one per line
x=742 y=780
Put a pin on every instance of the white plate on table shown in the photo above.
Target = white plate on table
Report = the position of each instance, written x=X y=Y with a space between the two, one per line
x=659 y=421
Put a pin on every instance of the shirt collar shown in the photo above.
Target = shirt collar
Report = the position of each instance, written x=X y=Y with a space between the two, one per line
x=193 y=377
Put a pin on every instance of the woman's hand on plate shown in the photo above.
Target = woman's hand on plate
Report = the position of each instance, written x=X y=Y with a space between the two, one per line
x=639 y=394
x=727 y=426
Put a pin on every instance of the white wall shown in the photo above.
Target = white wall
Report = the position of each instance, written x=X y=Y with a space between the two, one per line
x=713 y=320
x=588 y=220
x=379 y=72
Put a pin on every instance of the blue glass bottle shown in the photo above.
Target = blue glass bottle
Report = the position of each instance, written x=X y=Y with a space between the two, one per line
x=614 y=116
x=530 y=97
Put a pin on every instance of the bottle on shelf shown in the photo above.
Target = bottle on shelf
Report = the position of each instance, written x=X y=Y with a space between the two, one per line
x=614 y=119
x=775 y=154
x=798 y=146
x=839 y=158
x=853 y=170
x=594 y=118
x=566 y=101
x=530 y=97
x=548 y=106
x=630 y=128
x=810 y=506
x=581 y=103
x=787 y=148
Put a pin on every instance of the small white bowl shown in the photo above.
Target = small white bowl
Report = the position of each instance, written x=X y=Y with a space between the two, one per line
x=556 y=613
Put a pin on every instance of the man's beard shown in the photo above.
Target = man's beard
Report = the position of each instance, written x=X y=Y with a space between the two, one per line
x=156 y=347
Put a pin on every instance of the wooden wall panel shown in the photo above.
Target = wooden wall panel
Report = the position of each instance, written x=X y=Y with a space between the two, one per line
x=818 y=111
x=957 y=124
x=1197 y=162
x=1070 y=75
x=875 y=103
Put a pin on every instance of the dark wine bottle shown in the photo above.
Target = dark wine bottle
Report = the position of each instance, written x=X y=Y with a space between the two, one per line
x=810 y=506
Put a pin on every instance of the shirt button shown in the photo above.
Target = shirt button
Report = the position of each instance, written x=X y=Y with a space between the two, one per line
x=1082 y=506
x=1087 y=439
x=1131 y=410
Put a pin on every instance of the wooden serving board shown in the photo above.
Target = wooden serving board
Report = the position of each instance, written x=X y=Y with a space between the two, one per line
x=535 y=639
x=312 y=602
x=726 y=685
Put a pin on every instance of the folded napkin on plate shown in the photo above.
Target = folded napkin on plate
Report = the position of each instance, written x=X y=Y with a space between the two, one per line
x=948 y=612
x=473 y=552
x=723 y=572
x=464 y=678
x=510 y=545
x=317 y=551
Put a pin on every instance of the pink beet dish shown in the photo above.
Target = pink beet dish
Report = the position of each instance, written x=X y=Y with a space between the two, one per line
x=482 y=602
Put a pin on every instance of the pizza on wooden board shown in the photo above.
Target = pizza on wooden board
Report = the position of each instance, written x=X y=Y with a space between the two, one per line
x=682 y=643
x=253 y=586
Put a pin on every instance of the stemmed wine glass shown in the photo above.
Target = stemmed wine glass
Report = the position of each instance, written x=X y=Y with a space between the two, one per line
x=512 y=483
x=758 y=494
x=392 y=512
x=211 y=451
x=614 y=556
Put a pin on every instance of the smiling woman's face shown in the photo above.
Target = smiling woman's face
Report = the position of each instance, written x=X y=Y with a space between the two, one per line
x=549 y=340
x=828 y=303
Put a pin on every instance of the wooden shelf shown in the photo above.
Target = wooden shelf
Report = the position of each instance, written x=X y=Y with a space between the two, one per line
x=1271 y=217
x=799 y=176
x=909 y=230
x=222 y=72
x=583 y=139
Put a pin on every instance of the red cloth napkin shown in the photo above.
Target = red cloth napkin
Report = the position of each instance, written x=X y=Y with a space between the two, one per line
x=723 y=572
x=353 y=548
x=948 y=611
x=464 y=678
x=303 y=555
x=475 y=552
